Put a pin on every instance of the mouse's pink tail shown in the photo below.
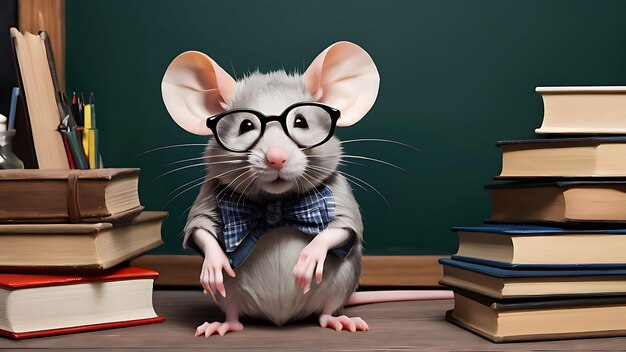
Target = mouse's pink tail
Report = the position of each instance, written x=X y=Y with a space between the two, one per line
x=367 y=297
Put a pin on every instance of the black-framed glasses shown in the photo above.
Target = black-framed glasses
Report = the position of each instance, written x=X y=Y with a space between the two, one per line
x=307 y=124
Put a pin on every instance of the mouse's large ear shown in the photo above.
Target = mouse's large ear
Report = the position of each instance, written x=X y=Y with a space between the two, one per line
x=345 y=77
x=194 y=88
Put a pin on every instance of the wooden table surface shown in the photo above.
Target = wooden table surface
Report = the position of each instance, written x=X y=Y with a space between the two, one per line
x=398 y=326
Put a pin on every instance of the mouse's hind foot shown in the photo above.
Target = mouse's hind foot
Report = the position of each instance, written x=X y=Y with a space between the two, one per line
x=343 y=323
x=222 y=329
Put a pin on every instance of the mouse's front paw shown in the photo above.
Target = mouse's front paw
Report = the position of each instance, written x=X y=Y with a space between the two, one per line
x=222 y=329
x=310 y=261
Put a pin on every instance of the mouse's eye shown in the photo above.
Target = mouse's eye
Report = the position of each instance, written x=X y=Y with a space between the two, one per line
x=300 y=122
x=246 y=126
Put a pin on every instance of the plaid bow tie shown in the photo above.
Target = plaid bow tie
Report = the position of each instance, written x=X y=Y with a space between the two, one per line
x=247 y=220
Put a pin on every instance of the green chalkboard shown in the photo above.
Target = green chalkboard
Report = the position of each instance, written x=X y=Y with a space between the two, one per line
x=455 y=77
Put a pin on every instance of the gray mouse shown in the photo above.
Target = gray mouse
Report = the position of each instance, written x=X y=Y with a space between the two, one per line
x=279 y=227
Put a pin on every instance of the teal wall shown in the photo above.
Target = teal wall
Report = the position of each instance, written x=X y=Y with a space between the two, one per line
x=455 y=77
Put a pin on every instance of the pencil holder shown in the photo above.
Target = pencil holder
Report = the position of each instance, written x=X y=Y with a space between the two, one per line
x=8 y=160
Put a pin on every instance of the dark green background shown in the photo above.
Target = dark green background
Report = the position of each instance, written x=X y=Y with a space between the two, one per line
x=455 y=77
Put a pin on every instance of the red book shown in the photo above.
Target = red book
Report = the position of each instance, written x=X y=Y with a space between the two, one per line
x=45 y=305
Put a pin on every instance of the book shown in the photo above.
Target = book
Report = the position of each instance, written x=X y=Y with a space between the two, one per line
x=53 y=196
x=86 y=247
x=541 y=247
x=43 y=305
x=37 y=86
x=500 y=283
x=583 y=110
x=563 y=157
x=568 y=203
x=539 y=320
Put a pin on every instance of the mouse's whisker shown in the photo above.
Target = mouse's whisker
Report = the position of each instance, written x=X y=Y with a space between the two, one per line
x=186 y=184
x=242 y=182
x=200 y=164
x=320 y=175
x=186 y=210
x=323 y=155
x=225 y=162
x=335 y=156
x=229 y=171
x=252 y=178
x=181 y=193
x=178 y=169
x=378 y=140
x=312 y=185
x=349 y=162
x=295 y=179
x=206 y=157
x=205 y=177
x=347 y=175
x=200 y=178
x=201 y=183
x=370 y=186
x=311 y=180
x=349 y=156
x=320 y=171
x=172 y=146
x=217 y=196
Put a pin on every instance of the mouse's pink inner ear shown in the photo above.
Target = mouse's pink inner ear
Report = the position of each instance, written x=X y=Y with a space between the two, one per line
x=345 y=77
x=194 y=88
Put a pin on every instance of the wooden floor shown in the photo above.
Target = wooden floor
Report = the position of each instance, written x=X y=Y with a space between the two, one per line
x=400 y=326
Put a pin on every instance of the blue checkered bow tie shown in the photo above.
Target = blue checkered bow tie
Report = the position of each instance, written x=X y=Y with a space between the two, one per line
x=247 y=220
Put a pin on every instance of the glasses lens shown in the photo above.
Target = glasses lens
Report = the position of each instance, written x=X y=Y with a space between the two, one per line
x=238 y=131
x=309 y=125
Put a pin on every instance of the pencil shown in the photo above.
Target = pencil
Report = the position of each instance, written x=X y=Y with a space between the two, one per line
x=87 y=130
x=92 y=148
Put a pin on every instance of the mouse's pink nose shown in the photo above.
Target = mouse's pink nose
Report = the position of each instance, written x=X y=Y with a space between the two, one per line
x=276 y=157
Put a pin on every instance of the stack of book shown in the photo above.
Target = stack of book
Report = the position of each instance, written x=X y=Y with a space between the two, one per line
x=551 y=261
x=65 y=239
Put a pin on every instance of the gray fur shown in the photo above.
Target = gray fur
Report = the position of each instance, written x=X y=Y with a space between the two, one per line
x=264 y=286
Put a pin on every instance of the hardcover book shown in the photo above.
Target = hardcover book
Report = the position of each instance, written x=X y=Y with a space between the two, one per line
x=40 y=305
x=86 y=247
x=583 y=110
x=569 y=203
x=54 y=196
x=563 y=157
x=500 y=283
x=541 y=319
x=37 y=140
x=541 y=247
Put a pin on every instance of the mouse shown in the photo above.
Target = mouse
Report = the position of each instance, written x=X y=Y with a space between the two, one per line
x=279 y=228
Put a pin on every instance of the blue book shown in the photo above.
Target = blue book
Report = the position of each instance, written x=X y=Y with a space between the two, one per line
x=541 y=247
x=502 y=283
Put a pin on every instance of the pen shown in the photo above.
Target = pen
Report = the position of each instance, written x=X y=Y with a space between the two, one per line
x=75 y=110
x=93 y=133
